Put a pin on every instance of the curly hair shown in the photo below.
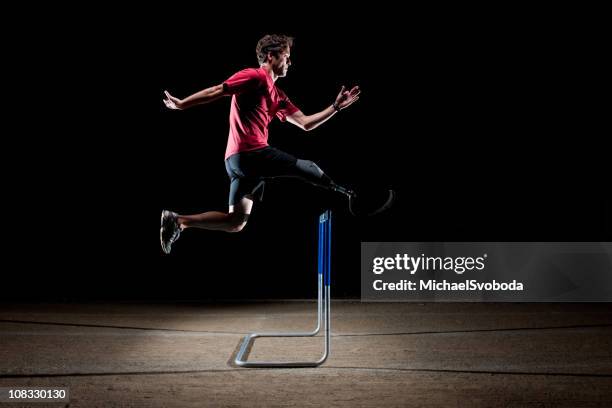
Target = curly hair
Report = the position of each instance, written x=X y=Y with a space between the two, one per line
x=273 y=43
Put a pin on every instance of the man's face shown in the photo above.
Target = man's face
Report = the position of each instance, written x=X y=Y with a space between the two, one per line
x=280 y=64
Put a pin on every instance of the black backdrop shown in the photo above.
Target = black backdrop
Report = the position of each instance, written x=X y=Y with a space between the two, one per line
x=485 y=127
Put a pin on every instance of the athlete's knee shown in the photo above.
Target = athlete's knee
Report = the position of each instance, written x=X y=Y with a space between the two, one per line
x=309 y=167
x=236 y=228
x=313 y=173
x=237 y=222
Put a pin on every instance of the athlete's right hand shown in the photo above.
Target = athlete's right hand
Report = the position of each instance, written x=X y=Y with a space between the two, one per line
x=172 y=102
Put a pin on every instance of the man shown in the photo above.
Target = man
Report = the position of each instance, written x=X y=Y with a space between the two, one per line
x=249 y=160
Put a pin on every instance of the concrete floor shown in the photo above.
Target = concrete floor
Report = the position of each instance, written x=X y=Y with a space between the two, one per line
x=383 y=354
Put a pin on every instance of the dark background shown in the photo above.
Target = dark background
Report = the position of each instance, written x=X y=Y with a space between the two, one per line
x=486 y=125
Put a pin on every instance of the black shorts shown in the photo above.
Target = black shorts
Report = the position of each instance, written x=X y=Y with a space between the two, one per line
x=248 y=170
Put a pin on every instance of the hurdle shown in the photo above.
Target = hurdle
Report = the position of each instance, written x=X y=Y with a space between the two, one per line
x=323 y=302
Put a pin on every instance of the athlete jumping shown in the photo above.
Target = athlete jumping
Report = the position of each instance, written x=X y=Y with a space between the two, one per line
x=249 y=160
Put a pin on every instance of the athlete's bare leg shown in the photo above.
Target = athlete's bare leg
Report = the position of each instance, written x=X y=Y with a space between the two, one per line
x=232 y=221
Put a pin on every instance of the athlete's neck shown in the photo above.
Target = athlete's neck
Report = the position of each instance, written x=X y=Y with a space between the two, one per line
x=270 y=72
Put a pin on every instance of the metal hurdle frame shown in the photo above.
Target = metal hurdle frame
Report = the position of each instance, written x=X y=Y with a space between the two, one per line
x=323 y=302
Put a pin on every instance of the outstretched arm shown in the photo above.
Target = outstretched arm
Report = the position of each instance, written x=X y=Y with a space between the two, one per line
x=309 y=122
x=204 y=96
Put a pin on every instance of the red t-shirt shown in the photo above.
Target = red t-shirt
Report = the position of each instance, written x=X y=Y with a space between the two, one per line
x=255 y=102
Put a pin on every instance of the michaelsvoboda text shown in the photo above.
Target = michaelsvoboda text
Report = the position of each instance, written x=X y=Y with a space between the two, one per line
x=433 y=284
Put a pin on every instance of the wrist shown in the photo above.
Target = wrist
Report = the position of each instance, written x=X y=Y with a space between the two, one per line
x=336 y=107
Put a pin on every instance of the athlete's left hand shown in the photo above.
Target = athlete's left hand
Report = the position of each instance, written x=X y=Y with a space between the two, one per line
x=347 y=98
